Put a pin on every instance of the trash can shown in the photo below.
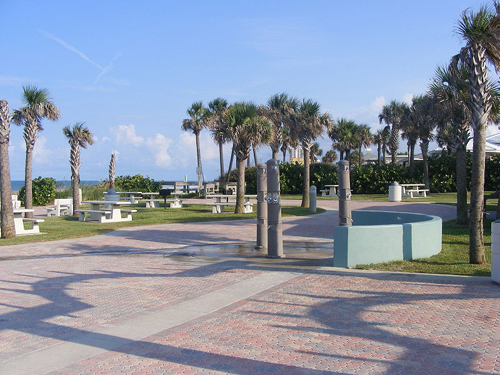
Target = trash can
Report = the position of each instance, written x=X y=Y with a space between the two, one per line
x=495 y=251
x=395 y=192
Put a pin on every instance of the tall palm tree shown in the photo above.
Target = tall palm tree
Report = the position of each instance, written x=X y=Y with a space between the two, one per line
x=315 y=152
x=392 y=114
x=37 y=107
x=195 y=123
x=78 y=136
x=451 y=90
x=365 y=139
x=280 y=110
x=343 y=135
x=216 y=111
x=246 y=128
x=307 y=126
x=112 y=170
x=481 y=32
x=7 y=216
x=380 y=139
x=410 y=127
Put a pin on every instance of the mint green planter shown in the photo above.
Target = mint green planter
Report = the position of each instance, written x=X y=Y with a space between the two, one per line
x=382 y=236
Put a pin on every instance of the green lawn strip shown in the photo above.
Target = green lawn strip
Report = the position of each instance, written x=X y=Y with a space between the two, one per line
x=452 y=260
x=64 y=227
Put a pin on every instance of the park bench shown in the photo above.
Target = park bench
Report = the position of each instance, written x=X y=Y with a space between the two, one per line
x=128 y=216
x=61 y=207
x=34 y=224
x=82 y=213
x=413 y=193
x=218 y=207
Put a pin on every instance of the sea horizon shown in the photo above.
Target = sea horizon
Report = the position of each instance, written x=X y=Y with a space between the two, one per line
x=60 y=184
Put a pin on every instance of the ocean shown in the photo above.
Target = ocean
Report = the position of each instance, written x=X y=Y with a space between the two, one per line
x=60 y=185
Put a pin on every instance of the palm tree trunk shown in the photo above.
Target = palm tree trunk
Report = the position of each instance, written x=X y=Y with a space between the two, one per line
x=240 y=187
x=198 y=156
x=276 y=154
x=255 y=159
x=7 y=216
x=307 y=178
x=221 y=158
x=476 y=240
x=461 y=172
x=379 y=161
x=28 y=183
x=424 y=147
x=412 y=158
x=75 y=182
x=359 y=156
x=230 y=163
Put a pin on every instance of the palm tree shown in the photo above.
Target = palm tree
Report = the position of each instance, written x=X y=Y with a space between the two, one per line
x=451 y=90
x=392 y=115
x=308 y=124
x=112 y=170
x=315 y=152
x=380 y=139
x=280 y=110
x=78 y=136
x=410 y=127
x=195 y=123
x=37 y=107
x=216 y=111
x=246 y=128
x=330 y=157
x=365 y=139
x=343 y=135
x=7 y=216
x=481 y=31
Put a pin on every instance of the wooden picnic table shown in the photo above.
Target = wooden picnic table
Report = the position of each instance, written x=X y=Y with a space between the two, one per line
x=110 y=213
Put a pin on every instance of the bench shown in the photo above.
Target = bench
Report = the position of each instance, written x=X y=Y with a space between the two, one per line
x=103 y=213
x=129 y=213
x=152 y=203
x=61 y=207
x=495 y=195
x=34 y=224
x=325 y=193
x=218 y=207
x=413 y=193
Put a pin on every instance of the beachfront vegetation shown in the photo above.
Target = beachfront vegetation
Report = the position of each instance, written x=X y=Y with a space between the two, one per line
x=44 y=191
x=37 y=107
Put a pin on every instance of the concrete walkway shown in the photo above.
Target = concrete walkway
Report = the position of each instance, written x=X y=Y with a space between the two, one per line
x=197 y=299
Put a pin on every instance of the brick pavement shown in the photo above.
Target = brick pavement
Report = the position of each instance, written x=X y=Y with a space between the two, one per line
x=151 y=313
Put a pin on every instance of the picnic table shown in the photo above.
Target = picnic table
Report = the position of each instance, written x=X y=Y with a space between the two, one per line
x=222 y=200
x=413 y=190
x=131 y=196
x=19 y=221
x=110 y=212
x=331 y=191
x=154 y=202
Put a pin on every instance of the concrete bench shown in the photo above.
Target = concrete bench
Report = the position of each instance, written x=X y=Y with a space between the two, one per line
x=218 y=207
x=34 y=224
x=155 y=203
x=128 y=213
x=82 y=213
x=417 y=193
x=325 y=193
x=61 y=207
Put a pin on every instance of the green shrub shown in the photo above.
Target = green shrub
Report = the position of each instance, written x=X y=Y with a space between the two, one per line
x=44 y=191
x=136 y=183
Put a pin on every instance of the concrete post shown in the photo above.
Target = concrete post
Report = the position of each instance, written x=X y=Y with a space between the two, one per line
x=495 y=251
x=345 y=218
x=274 y=233
x=312 y=198
x=261 y=207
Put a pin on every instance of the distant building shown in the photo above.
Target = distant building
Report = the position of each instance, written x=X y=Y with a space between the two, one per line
x=297 y=155
x=492 y=145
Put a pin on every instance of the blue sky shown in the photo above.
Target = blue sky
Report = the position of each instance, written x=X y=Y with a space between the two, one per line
x=131 y=69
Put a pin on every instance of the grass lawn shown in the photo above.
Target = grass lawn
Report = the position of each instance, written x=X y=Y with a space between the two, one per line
x=64 y=227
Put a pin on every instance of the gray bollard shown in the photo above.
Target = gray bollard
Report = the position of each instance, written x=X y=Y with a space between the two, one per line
x=345 y=218
x=261 y=207
x=275 y=232
x=312 y=198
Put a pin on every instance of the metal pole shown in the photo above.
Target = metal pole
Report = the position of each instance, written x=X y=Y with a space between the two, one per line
x=261 y=207
x=345 y=218
x=275 y=234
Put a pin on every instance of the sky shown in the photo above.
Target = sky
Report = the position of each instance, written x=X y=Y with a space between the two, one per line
x=131 y=69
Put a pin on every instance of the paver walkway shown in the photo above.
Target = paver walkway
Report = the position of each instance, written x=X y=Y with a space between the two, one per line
x=113 y=310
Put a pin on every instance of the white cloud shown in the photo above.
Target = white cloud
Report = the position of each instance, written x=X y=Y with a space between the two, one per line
x=126 y=135
x=159 y=145
x=41 y=153
x=407 y=98
x=104 y=139
x=377 y=105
